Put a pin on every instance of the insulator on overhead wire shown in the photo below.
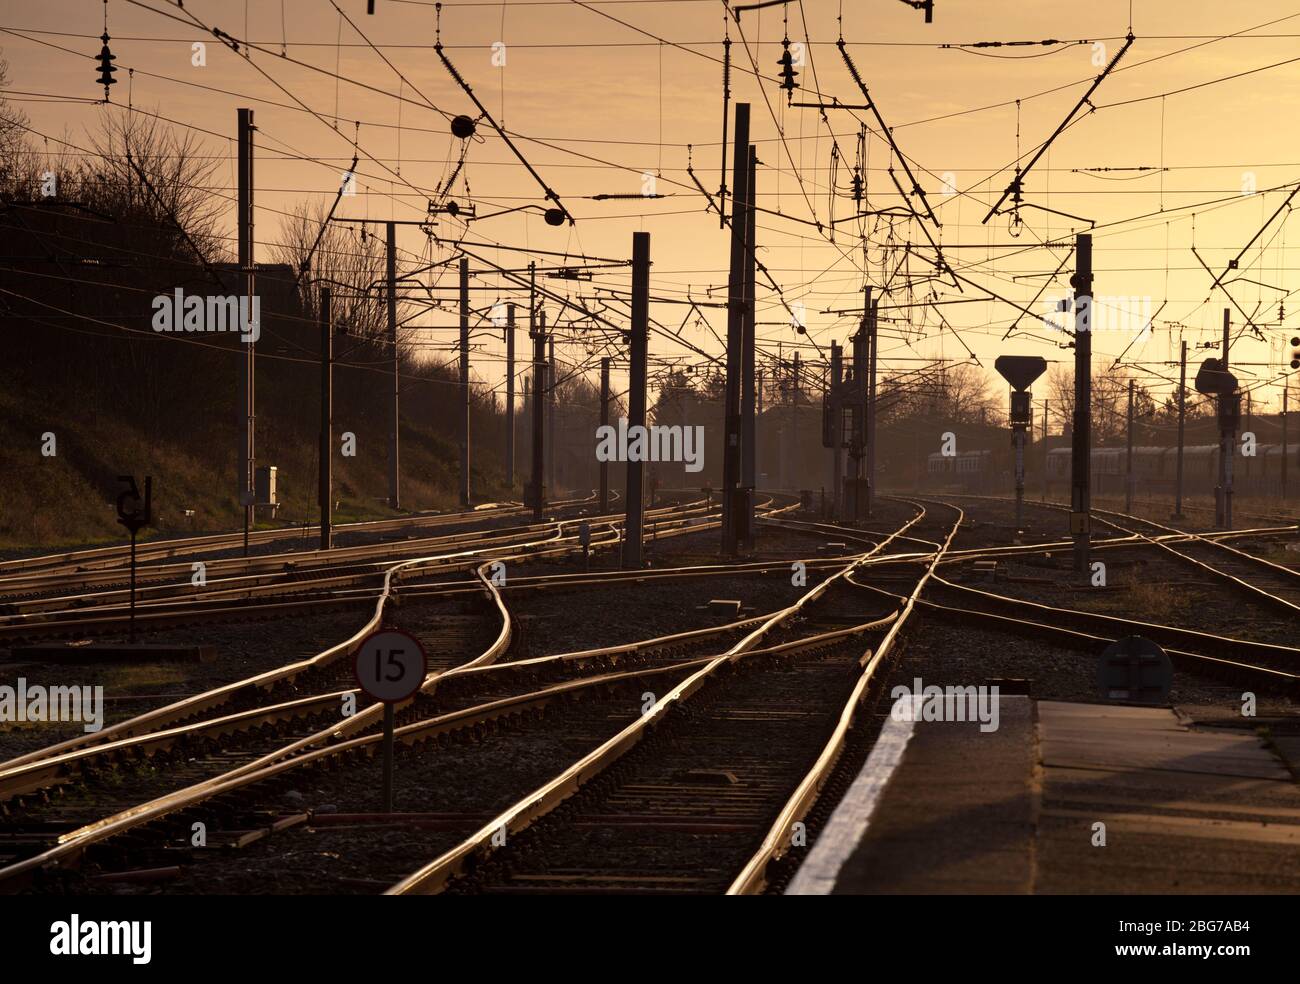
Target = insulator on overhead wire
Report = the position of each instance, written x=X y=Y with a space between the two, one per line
x=106 y=67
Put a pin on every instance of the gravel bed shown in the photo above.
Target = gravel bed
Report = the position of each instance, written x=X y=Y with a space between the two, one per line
x=470 y=781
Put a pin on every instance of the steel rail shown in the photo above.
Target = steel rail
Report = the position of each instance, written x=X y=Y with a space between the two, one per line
x=1281 y=680
x=293 y=561
x=218 y=541
x=432 y=877
x=160 y=717
x=219 y=695
x=289 y=582
x=1251 y=589
x=53 y=770
x=71 y=845
x=1101 y=621
x=752 y=878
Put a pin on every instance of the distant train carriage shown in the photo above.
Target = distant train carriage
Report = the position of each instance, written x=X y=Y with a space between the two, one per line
x=964 y=471
x=1155 y=470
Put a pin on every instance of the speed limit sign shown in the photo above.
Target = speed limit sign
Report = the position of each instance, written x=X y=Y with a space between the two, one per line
x=390 y=666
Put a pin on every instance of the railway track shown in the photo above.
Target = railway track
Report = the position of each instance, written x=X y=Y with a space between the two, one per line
x=111 y=783
x=1206 y=552
x=1262 y=579
x=703 y=792
x=655 y=656
x=720 y=767
x=98 y=558
x=36 y=598
x=318 y=583
x=253 y=692
x=276 y=703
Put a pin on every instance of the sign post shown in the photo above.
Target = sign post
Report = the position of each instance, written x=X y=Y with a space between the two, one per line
x=1135 y=670
x=133 y=519
x=1215 y=379
x=1020 y=371
x=390 y=667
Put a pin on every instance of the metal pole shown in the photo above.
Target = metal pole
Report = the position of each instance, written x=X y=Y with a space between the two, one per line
x=1250 y=427
x=793 y=443
x=528 y=416
x=1045 y=418
x=747 y=467
x=636 y=397
x=510 y=395
x=551 y=445
x=1182 y=421
x=1219 y=404
x=735 y=329
x=1225 y=437
x=857 y=438
x=1018 y=438
x=388 y=757
x=604 y=422
x=1128 y=455
x=326 y=466
x=872 y=348
x=1286 y=385
x=538 y=333
x=1081 y=445
x=247 y=395
x=464 y=383
x=837 y=427
x=394 y=442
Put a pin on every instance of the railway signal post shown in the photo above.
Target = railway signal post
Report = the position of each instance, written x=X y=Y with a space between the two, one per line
x=1214 y=379
x=1221 y=507
x=1020 y=371
x=390 y=667
x=134 y=518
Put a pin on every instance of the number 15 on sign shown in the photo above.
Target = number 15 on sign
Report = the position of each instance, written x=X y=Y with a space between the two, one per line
x=390 y=667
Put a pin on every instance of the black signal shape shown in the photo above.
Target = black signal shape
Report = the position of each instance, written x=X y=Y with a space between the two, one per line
x=106 y=67
x=1295 y=351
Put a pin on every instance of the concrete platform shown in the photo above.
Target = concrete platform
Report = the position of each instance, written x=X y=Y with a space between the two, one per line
x=941 y=808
